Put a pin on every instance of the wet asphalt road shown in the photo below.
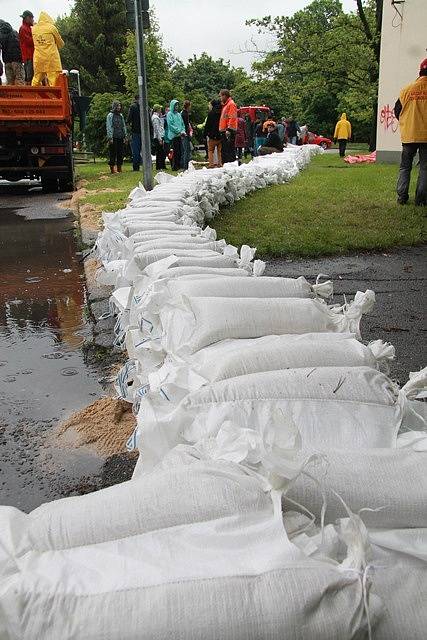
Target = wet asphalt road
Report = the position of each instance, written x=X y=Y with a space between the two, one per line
x=398 y=278
x=44 y=373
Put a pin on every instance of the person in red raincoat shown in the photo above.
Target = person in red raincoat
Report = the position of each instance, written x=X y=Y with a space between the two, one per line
x=241 y=140
x=27 y=45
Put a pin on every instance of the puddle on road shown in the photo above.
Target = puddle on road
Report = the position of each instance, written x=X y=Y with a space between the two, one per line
x=43 y=375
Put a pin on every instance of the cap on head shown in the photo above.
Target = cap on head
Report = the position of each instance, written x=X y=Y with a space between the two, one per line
x=423 y=65
x=27 y=14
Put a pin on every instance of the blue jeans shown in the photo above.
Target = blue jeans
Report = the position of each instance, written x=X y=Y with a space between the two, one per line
x=185 y=152
x=136 y=151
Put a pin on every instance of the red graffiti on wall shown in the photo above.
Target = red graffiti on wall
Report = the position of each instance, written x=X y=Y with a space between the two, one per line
x=388 y=119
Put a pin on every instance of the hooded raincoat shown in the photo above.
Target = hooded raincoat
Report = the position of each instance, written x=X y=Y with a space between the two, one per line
x=175 y=123
x=343 y=128
x=9 y=43
x=47 y=41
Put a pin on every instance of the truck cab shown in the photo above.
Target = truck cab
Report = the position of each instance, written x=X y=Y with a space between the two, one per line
x=36 y=135
x=255 y=113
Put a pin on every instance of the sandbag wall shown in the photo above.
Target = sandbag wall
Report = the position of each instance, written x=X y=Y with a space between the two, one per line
x=281 y=482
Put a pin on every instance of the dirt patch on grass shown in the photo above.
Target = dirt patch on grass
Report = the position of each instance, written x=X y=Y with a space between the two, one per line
x=105 y=425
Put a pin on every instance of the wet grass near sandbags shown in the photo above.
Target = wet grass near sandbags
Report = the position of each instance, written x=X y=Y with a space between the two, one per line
x=106 y=191
x=330 y=208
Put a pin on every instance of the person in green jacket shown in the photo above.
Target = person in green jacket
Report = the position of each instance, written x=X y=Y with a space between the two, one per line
x=175 y=131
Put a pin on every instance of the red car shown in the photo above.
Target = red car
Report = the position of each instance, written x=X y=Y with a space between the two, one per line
x=314 y=138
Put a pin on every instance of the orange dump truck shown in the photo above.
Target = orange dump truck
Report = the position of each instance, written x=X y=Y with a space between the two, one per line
x=36 y=135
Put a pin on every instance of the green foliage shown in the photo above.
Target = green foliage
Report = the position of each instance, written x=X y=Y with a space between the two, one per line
x=96 y=133
x=158 y=61
x=324 y=61
x=206 y=76
x=94 y=35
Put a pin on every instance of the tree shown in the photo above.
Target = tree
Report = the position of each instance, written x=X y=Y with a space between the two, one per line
x=94 y=35
x=206 y=75
x=324 y=60
x=159 y=62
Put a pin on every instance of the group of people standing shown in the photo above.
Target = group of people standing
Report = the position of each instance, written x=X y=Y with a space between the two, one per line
x=172 y=133
x=31 y=56
x=221 y=130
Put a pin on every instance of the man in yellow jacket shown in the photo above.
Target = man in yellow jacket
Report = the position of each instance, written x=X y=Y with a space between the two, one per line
x=342 y=133
x=47 y=41
x=411 y=111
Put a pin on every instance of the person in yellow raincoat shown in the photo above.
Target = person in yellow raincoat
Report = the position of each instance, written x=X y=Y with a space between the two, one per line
x=342 y=133
x=47 y=41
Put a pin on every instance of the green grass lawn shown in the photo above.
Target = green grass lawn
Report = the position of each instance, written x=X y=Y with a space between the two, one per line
x=110 y=190
x=330 y=208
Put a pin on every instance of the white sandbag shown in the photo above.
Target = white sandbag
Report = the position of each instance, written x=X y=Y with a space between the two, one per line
x=162 y=292
x=141 y=226
x=192 y=323
x=248 y=288
x=389 y=485
x=160 y=216
x=332 y=407
x=400 y=580
x=151 y=234
x=207 y=490
x=415 y=440
x=186 y=257
x=142 y=586
x=145 y=280
x=186 y=242
x=231 y=358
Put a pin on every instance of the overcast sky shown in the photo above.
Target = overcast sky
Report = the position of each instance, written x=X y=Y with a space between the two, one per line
x=188 y=26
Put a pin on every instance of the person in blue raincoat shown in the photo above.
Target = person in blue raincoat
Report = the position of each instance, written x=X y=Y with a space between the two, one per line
x=174 y=133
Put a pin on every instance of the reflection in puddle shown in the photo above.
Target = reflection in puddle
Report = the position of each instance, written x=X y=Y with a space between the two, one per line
x=43 y=374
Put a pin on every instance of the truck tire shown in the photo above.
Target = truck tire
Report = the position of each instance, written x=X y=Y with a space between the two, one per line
x=49 y=184
x=67 y=182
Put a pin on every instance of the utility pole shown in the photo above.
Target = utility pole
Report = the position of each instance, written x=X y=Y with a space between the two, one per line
x=141 y=17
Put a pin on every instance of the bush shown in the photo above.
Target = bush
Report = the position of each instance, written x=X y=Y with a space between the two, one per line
x=96 y=133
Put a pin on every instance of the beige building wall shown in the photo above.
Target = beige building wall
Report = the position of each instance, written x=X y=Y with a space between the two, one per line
x=403 y=47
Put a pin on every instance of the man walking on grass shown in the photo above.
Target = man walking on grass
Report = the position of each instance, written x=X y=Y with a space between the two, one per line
x=411 y=111
x=342 y=133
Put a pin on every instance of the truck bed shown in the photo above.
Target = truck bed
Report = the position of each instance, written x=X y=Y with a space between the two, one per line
x=36 y=135
x=35 y=104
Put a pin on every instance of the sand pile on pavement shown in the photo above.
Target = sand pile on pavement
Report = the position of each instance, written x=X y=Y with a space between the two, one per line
x=105 y=424
x=90 y=217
